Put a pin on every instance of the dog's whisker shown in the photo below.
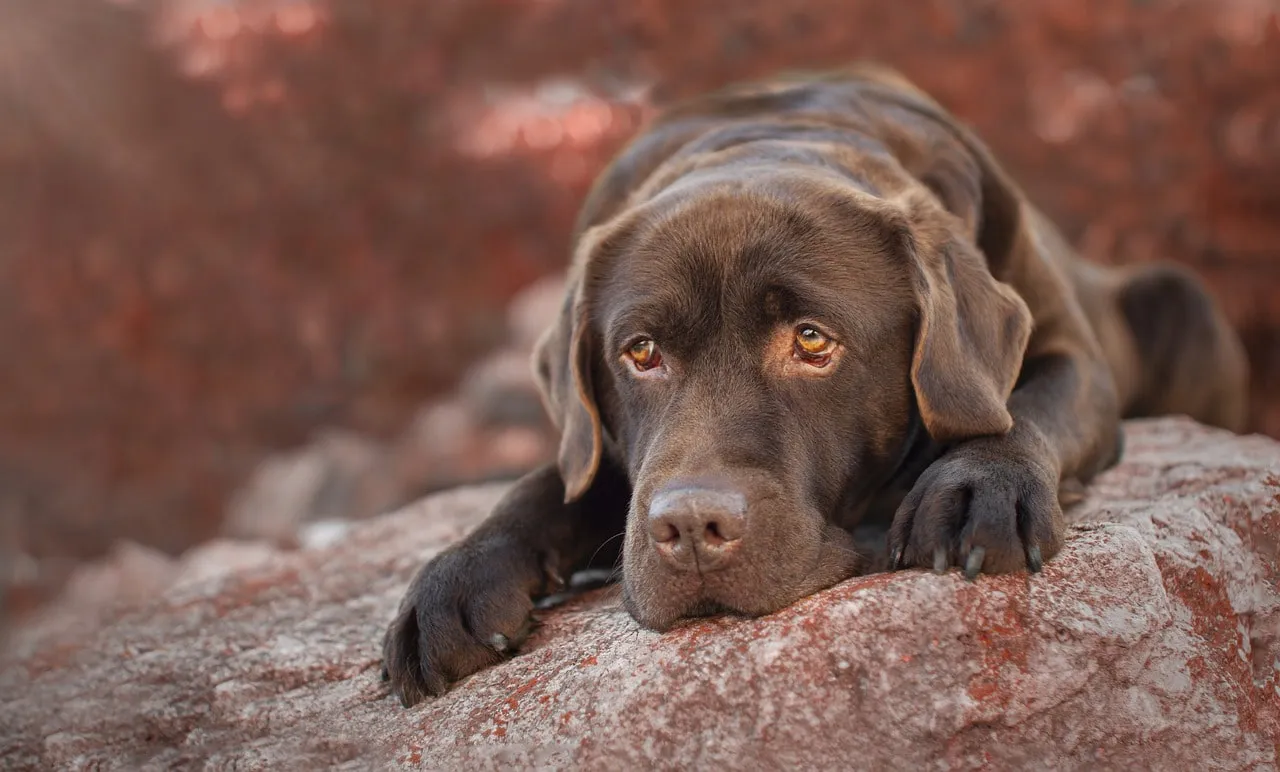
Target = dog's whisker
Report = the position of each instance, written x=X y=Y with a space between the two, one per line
x=604 y=544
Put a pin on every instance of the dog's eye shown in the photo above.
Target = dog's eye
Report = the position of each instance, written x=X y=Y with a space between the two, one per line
x=644 y=354
x=813 y=346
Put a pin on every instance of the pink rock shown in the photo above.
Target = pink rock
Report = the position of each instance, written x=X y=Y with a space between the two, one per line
x=1151 y=641
x=221 y=557
x=533 y=311
x=334 y=475
x=500 y=391
x=130 y=573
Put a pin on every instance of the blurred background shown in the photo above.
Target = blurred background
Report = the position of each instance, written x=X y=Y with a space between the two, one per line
x=267 y=266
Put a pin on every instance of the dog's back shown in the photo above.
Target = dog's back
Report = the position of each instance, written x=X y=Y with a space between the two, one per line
x=1166 y=340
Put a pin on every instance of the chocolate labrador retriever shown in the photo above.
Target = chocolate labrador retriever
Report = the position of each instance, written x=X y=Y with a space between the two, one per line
x=796 y=307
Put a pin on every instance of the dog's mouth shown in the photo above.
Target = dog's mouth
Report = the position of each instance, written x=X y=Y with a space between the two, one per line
x=710 y=608
x=761 y=584
x=665 y=618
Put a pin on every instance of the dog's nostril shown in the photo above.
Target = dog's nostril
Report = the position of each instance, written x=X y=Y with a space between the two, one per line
x=664 y=531
x=684 y=520
x=713 y=537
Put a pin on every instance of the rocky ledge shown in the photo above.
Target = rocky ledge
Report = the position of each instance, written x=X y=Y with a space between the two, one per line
x=1152 y=640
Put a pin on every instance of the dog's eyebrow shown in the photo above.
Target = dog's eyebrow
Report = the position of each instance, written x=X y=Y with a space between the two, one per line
x=791 y=301
x=659 y=317
x=663 y=298
x=785 y=301
x=838 y=306
x=639 y=319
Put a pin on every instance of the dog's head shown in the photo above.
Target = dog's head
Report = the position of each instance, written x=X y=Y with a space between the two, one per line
x=751 y=343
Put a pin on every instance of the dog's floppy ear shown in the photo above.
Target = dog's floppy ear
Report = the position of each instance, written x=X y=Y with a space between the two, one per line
x=972 y=186
x=566 y=355
x=562 y=370
x=973 y=328
x=971 y=333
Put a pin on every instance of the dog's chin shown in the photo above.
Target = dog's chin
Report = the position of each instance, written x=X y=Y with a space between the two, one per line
x=663 y=603
x=665 y=616
x=706 y=608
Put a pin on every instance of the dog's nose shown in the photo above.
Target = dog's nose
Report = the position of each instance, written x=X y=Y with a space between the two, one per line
x=696 y=525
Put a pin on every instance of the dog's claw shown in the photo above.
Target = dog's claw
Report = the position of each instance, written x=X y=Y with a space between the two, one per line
x=500 y=643
x=895 y=559
x=1035 y=562
x=974 y=564
x=386 y=674
x=939 y=560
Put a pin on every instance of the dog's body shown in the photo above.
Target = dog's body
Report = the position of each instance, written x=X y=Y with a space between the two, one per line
x=797 y=307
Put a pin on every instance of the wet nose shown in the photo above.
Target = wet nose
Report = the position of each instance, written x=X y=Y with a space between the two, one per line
x=694 y=525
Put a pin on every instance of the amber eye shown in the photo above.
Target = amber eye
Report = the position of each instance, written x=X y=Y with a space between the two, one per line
x=644 y=354
x=812 y=345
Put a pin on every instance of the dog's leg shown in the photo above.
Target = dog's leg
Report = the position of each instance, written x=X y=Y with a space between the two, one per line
x=470 y=606
x=1190 y=360
x=992 y=503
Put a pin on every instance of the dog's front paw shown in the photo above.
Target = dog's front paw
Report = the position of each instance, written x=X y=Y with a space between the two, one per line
x=985 y=506
x=465 y=610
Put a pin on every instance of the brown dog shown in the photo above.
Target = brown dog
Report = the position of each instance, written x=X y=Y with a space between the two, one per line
x=797 y=307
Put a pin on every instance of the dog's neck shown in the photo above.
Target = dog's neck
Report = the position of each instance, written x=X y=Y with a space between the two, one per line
x=875 y=499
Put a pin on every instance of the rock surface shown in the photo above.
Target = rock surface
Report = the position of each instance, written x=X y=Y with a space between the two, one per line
x=1151 y=640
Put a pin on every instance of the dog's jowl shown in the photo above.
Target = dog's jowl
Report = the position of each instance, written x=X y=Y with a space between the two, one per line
x=798 y=307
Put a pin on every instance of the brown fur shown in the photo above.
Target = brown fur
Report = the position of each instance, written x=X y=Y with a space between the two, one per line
x=980 y=371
